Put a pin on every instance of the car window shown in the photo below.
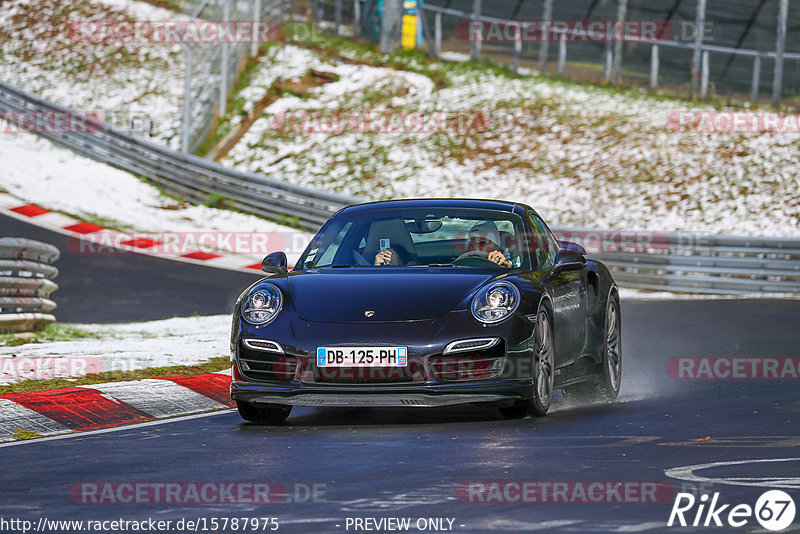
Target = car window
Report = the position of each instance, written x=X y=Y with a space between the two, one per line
x=419 y=237
x=543 y=245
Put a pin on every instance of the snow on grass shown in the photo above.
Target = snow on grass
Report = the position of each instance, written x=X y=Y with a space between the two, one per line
x=57 y=179
x=581 y=155
x=122 y=347
x=121 y=82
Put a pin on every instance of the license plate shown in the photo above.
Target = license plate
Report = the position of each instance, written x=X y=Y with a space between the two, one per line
x=362 y=356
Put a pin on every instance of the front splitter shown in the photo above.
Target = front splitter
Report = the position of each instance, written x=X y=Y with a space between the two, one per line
x=375 y=400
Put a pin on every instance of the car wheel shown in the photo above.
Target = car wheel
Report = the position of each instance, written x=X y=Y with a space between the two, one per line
x=607 y=389
x=265 y=414
x=543 y=365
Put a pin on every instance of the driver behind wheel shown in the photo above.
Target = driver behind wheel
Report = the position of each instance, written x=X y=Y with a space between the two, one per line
x=484 y=241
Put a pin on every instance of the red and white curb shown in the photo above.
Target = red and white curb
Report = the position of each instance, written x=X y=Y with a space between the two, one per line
x=91 y=407
x=103 y=237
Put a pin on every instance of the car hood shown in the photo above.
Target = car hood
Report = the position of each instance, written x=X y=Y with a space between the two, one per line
x=406 y=294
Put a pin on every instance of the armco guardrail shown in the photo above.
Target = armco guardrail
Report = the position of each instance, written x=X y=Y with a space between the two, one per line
x=26 y=273
x=694 y=263
x=671 y=262
x=185 y=175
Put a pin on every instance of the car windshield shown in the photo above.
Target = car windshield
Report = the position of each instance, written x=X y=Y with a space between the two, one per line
x=418 y=237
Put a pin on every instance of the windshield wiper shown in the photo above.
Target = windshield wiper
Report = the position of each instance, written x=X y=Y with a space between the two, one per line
x=340 y=266
x=436 y=265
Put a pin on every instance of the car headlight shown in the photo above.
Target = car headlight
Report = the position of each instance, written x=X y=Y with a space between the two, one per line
x=262 y=304
x=495 y=302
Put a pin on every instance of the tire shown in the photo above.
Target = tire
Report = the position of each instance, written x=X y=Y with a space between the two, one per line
x=607 y=388
x=543 y=376
x=267 y=414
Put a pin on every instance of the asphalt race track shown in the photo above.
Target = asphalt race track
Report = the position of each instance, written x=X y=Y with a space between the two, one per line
x=382 y=463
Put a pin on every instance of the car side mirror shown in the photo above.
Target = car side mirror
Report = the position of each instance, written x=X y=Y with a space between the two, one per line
x=275 y=263
x=569 y=245
x=568 y=259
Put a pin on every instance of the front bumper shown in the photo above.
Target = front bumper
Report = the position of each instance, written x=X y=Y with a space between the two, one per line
x=436 y=374
x=501 y=392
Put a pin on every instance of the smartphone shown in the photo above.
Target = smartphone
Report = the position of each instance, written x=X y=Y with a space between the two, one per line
x=384 y=244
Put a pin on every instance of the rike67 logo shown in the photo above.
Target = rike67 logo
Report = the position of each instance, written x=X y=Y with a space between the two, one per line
x=774 y=510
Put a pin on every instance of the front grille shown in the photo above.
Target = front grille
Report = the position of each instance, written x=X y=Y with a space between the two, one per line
x=266 y=366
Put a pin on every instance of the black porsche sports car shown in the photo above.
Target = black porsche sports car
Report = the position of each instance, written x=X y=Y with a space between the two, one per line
x=427 y=303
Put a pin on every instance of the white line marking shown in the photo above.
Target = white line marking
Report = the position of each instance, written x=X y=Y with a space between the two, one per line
x=641 y=527
x=687 y=473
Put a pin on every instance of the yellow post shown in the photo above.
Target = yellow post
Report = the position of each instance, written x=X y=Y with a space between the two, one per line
x=408 y=36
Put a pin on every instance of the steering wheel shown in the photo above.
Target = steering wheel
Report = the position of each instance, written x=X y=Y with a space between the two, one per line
x=475 y=258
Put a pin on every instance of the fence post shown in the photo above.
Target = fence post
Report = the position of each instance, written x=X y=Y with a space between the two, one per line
x=619 y=40
x=223 y=70
x=780 y=47
x=187 y=98
x=437 y=34
x=562 y=53
x=704 y=75
x=356 y=18
x=653 y=67
x=544 y=49
x=256 y=18
x=517 y=49
x=475 y=44
x=699 y=22
x=756 y=79
x=338 y=16
x=609 y=58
